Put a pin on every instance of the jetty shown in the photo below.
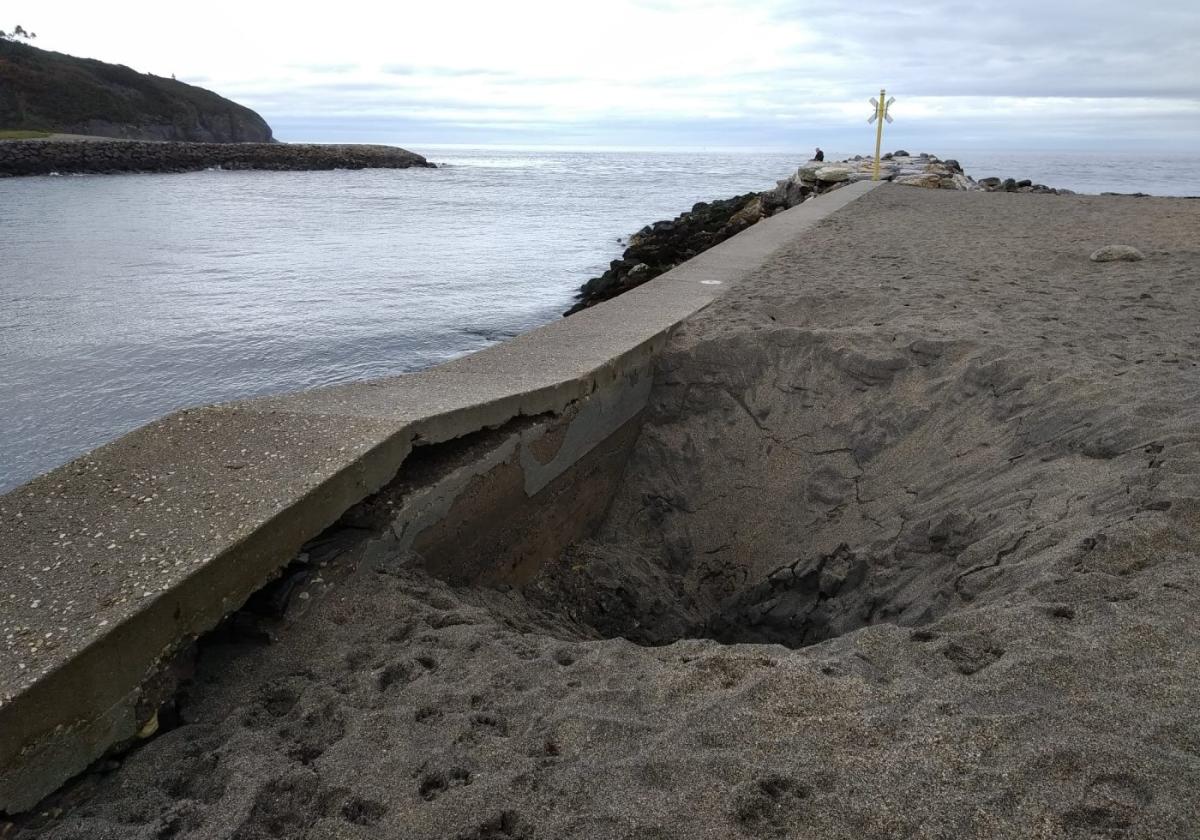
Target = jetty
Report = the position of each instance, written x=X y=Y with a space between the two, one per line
x=101 y=156
x=879 y=518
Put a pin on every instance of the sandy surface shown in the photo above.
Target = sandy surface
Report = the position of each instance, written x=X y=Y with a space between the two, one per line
x=931 y=480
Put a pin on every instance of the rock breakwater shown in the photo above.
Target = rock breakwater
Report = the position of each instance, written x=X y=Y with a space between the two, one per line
x=44 y=157
x=661 y=246
x=920 y=170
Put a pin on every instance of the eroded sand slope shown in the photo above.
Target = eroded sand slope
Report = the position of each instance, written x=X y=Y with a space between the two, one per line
x=932 y=476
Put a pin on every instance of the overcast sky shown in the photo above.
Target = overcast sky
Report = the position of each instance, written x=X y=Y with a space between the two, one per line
x=1001 y=74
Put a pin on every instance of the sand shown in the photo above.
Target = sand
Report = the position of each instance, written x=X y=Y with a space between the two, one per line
x=908 y=547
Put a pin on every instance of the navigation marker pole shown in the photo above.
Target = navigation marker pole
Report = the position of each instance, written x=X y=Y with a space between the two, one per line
x=881 y=114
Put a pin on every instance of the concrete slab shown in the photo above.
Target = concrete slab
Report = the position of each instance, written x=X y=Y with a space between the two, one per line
x=111 y=562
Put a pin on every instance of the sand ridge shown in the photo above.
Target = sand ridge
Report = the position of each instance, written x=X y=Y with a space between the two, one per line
x=907 y=548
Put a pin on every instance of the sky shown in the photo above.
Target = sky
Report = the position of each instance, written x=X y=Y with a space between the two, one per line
x=1001 y=74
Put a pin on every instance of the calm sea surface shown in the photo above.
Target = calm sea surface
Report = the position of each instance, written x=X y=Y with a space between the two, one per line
x=125 y=297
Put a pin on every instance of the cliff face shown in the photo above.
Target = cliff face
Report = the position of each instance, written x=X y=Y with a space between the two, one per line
x=51 y=91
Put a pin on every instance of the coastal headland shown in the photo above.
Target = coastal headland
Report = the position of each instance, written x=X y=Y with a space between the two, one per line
x=91 y=117
x=877 y=519
x=42 y=90
x=94 y=156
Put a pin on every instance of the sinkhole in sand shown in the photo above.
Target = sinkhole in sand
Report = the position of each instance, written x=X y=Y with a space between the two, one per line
x=799 y=604
x=791 y=490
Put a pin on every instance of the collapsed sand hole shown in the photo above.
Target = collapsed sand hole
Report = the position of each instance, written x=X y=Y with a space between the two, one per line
x=798 y=605
x=788 y=489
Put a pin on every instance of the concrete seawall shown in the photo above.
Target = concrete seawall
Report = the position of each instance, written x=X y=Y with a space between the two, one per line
x=42 y=157
x=115 y=562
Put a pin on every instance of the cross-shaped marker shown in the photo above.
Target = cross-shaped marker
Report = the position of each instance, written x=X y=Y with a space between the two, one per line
x=886 y=105
x=882 y=106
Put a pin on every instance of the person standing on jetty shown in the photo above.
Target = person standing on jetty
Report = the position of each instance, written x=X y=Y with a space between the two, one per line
x=819 y=155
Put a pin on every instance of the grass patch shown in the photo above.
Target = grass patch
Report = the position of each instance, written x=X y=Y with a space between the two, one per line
x=22 y=134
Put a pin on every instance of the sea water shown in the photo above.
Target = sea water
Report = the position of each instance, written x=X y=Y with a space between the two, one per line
x=125 y=297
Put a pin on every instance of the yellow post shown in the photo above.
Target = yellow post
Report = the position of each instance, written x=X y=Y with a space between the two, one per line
x=880 y=112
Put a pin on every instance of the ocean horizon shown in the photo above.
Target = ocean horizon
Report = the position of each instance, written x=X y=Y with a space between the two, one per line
x=1170 y=173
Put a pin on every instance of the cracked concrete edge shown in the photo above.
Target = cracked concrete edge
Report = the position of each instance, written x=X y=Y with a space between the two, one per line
x=600 y=416
x=592 y=422
x=69 y=709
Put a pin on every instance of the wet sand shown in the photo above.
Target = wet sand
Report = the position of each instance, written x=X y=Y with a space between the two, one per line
x=907 y=547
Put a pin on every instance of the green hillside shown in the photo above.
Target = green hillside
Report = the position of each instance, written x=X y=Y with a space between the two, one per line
x=49 y=91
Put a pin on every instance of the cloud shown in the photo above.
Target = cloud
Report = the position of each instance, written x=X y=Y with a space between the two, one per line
x=435 y=71
x=1020 y=72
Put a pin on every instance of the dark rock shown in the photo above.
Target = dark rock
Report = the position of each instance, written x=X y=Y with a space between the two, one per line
x=41 y=157
x=640 y=273
x=900 y=153
x=1012 y=185
x=663 y=245
x=788 y=193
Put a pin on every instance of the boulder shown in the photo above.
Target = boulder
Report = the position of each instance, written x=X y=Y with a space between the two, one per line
x=640 y=273
x=748 y=215
x=833 y=174
x=787 y=193
x=900 y=153
x=927 y=180
x=1115 y=253
x=809 y=171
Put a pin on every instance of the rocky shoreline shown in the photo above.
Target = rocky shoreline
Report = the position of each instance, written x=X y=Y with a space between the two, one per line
x=661 y=246
x=97 y=157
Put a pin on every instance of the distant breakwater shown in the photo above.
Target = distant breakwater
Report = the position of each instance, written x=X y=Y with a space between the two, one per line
x=44 y=157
